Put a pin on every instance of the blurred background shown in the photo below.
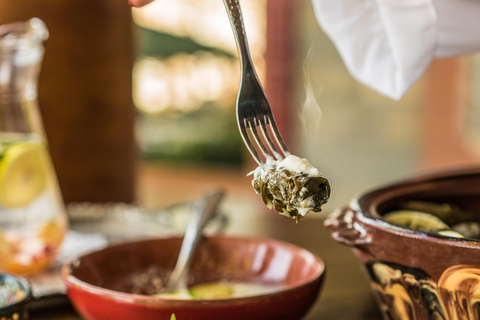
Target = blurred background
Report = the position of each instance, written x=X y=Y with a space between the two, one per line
x=139 y=107
x=139 y=104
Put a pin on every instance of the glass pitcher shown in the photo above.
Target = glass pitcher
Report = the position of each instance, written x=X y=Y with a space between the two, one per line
x=32 y=215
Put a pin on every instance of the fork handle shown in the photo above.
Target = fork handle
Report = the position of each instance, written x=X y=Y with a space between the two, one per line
x=236 y=20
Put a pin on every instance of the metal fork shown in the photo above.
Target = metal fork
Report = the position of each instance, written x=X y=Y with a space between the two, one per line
x=253 y=109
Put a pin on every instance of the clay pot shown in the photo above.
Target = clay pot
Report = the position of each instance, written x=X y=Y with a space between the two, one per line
x=416 y=275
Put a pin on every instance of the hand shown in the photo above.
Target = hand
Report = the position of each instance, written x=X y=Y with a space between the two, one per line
x=139 y=3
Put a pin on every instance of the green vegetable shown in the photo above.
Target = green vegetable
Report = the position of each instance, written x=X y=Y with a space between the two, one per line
x=416 y=220
x=447 y=212
x=469 y=229
x=291 y=193
x=450 y=233
x=173 y=317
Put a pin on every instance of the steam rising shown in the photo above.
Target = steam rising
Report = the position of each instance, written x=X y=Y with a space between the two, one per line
x=310 y=113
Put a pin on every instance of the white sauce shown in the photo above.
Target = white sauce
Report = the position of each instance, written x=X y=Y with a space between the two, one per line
x=297 y=164
x=292 y=163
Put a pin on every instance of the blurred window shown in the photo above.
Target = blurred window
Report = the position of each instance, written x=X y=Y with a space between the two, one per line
x=186 y=79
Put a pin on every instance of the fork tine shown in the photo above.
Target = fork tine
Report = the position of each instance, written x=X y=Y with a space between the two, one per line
x=270 y=143
x=258 y=140
x=251 y=100
x=246 y=138
x=277 y=135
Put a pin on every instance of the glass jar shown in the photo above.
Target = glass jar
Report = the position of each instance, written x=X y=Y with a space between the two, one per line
x=33 y=220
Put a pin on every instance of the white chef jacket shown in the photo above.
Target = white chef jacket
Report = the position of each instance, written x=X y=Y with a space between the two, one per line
x=388 y=44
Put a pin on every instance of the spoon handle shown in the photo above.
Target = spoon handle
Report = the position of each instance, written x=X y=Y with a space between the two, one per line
x=204 y=210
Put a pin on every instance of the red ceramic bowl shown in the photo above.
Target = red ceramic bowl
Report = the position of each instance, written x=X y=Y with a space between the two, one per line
x=416 y=275
x=100 y=284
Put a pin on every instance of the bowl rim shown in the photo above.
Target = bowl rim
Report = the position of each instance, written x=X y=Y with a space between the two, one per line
x=146 y=300
x=27 y=289
x=364 y=215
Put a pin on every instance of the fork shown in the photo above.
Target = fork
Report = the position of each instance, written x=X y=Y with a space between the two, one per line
x=253 y=109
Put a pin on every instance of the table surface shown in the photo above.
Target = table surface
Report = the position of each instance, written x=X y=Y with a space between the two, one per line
x=345 y=294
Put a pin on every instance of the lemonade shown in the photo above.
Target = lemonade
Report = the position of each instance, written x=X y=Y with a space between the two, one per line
x=32 y=216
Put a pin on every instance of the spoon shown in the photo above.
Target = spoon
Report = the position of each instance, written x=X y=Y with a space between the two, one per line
x=203 y=211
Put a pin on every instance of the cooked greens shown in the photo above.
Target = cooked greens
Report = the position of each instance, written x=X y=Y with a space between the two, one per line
x=442 y=218
x=291 y=187
x=416 y=220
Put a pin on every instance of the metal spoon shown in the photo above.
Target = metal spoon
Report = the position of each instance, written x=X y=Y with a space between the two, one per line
x=204 y=210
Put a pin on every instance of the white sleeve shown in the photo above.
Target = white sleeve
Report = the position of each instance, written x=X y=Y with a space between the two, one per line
x=388 y=44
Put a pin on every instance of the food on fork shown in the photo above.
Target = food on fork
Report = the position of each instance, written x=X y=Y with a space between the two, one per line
x=292 y=186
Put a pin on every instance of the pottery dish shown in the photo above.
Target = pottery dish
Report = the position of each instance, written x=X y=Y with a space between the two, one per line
x=119 y=282
x=417 y=274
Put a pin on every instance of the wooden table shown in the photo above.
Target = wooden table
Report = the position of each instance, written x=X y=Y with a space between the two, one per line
x=346 y=293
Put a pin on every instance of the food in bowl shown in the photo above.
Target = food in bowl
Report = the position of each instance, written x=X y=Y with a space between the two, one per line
x=10 y=295
x=221 y=290
x=15 y=293
x=118 y=282
x=292 y=186
x=442 y=218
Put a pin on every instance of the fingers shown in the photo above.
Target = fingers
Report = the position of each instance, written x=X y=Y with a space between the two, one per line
x=139 y=3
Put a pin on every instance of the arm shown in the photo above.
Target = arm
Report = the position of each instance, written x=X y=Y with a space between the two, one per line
x=139 y=3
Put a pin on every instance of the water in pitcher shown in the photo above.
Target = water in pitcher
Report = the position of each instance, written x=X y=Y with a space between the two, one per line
x=32 y=215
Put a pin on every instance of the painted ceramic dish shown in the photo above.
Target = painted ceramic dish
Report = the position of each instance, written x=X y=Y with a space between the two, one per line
x=118 y=282
x=15 y=293
x=416 y=274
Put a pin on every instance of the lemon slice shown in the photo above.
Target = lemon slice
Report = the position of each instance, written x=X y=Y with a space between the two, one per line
x=23 y=174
